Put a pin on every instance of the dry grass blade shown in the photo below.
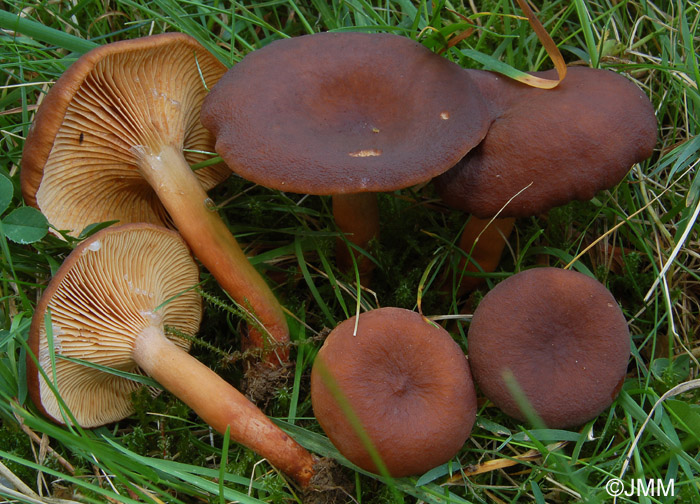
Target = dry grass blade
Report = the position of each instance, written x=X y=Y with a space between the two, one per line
x=549 y=45
x=42 y=441
x=22 y=492
x=502 y=463
x=620 y=224
x=640 y=239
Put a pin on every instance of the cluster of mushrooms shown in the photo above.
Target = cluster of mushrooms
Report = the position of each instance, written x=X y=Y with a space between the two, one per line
x=346 y=115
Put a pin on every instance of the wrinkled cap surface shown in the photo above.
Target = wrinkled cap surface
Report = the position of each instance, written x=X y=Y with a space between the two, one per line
x=78 y=164
x=113 y=285
x=344 y=112
x=555 y=145
x=562 y=337
x=407 y=381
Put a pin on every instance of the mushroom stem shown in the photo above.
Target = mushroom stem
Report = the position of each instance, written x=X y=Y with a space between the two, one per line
x=212 y=242
x=483 y=240
x=219 y=404
x=357 y=216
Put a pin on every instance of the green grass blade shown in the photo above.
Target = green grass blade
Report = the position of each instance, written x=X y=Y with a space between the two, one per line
x=44 y=33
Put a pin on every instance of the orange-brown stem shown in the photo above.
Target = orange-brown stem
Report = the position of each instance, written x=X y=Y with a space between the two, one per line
x=357 y=216
x=219 y=404
x=212 y=242
x=483 y=240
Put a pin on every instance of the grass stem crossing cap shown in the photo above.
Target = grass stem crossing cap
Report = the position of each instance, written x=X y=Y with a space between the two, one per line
x=547 y=147
x=81 y=157
x=118 y=283
x=114 y=139
x=111 y=304
x=560 y=336
x=408 y=388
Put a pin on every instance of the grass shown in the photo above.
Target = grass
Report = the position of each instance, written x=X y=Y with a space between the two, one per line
x=640 y=239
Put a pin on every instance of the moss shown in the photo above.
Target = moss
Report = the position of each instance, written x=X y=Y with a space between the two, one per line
x=16 y=442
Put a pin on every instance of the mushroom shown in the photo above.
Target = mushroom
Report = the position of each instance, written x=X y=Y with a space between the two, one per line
x=111 y=304
x=406 y=384
x=113 y=140
x=560 y=336
x=344 y=114
x=547 y=147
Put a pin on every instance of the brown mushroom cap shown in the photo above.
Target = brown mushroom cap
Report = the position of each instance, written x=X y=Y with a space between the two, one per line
x=333 y=113
x=562 y=336
x=407 y=381
x=79 y=165
x=568 y=142
x=99 y=302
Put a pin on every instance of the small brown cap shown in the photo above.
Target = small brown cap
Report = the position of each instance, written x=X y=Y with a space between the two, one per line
x=407 y=382
x=79 y=165
x=333 y=113
x=562 y=337
x=555 y=145
x=113 y=285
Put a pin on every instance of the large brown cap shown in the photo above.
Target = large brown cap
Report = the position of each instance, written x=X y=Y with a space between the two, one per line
x=562 y=338
x=111 y=287
x=555 y=145
x=334 y=113
x=79 y=162
x=407 y=382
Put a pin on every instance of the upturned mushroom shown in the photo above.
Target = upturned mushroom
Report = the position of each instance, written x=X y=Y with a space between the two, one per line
x=113 y=140
x=111 y=304
x=556 y=336
x=547 y=147
x=399 y=384
x=344 y=114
